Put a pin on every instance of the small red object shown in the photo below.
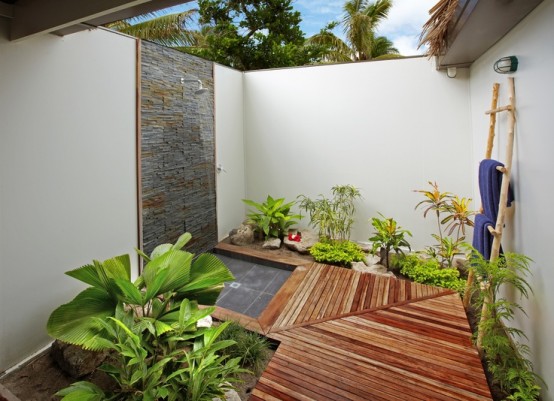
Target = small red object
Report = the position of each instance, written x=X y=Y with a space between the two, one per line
x=295 y=237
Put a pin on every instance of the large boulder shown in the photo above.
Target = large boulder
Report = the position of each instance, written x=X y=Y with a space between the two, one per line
x=74 y=360
x=308 y=239
x=244 y=235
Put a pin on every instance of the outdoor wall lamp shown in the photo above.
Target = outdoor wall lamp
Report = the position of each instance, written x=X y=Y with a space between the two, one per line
x=451 y=72
x=506 y=65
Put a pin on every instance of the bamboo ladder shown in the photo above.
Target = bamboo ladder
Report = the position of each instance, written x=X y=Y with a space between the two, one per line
x=506 y=170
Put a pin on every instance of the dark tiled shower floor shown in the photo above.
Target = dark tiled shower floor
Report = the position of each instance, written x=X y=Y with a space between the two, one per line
x=253 y=288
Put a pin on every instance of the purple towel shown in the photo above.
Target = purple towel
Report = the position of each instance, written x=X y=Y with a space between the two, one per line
x=482 y=238
x=490 y=183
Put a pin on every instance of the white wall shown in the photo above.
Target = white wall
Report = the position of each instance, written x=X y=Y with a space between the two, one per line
x=529 y=229
x=386 y=127
x=229 y=143
x=67 y=172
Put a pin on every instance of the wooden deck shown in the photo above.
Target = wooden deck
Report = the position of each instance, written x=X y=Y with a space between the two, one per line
x=345 y=335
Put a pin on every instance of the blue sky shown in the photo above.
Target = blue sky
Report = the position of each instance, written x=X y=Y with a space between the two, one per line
x=403 y=25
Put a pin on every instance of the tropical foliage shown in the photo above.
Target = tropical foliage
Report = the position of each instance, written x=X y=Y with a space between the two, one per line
x=254 y=34
x=453 y=216
x=507 y=359
x=388 y=236
x=334 y=217
x=273 y=217
x=151 y=324
x=360 y=21
x=170 y=30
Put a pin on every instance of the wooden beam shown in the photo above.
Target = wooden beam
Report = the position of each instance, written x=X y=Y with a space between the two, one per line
x=35 y=17
x=6 y=10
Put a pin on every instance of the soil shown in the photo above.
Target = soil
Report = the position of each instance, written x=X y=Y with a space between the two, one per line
x=41 y=378
x=283 y=251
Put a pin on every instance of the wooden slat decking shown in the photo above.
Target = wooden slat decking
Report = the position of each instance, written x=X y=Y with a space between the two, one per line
x=345 y=335
x=327 y=292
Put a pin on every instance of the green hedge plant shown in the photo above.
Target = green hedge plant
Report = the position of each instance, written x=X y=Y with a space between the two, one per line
x=430 y=272
x=341 y=253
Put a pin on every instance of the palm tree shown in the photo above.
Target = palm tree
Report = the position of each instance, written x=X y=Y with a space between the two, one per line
x=168 y=30
x=359 y=22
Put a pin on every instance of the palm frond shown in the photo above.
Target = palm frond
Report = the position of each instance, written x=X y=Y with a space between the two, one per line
x=435 y=30
x=168 y=30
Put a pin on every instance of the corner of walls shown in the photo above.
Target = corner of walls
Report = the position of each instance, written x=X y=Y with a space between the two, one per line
x=230 y=143
x=528 y=229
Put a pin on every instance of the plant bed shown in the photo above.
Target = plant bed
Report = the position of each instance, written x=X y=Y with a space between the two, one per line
x=40 y=378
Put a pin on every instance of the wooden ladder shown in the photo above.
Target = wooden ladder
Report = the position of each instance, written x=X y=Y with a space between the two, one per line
x=506 y=170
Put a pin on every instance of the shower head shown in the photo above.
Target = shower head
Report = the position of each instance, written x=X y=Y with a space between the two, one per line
x=201 y=90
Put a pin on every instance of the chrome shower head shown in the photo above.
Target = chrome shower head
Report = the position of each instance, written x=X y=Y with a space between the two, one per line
x=201 y=90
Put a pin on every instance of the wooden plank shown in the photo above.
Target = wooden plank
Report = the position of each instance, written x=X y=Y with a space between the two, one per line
x=364 y=375
x=369 y=363
x=294 y=301
x=245 y=321
x=355 y=278
x=261 y=255
x=277 y=304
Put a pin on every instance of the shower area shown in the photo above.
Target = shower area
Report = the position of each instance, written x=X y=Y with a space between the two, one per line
x=177 y=149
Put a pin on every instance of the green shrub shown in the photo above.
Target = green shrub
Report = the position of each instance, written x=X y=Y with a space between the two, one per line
x=250 y=347
x=507 y=358
x=341 y=253
x=430 y=272
x=151 y=325
x=388 y=236
x=333 y=217
x=274 y=217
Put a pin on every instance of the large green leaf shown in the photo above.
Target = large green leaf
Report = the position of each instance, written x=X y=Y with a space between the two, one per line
x=87 y=274
x=178 y=264
x=182 y=241
x=118 y=267
x=74 y=322
x=204 y=296
x=129 y=293
x=82 y=391
x=207 y=270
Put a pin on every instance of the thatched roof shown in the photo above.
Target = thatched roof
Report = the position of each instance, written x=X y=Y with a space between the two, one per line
x=436 y=29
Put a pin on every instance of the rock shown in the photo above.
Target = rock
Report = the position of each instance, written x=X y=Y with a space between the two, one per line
x=309 y=238
x=230 y=395
x=205 y=322
x=375 y=269
x=272 y=243
x=360 y=267
x=244 y=235
x=74 y=360
x=460 y=263
x=371 y=260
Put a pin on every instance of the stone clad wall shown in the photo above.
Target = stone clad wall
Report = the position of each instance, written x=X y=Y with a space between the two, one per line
x=178 y=149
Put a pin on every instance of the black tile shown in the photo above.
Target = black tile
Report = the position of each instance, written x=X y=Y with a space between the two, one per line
x=258 y=306
x=238 y=299
x=238 y=267
x=280 y=277
x=224 y=292
x=258 y=278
